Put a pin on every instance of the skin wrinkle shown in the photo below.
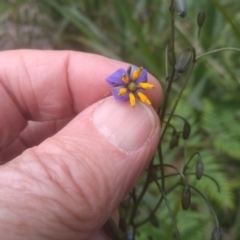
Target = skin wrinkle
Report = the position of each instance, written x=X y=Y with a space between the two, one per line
x=61 y=165
x=76 y=216
x=4 y=82
x=77 y=183
x=67 y=63
x=33 y=134
x=58 y=203
x=7 y=121
x=50 y=220
x=68 y=219
x=38 y=87
x=103 y=186
x=28 y=111
x=98 y=169
x=23 y=142
x=32 y=212
x=96 y=184
x=96 y=189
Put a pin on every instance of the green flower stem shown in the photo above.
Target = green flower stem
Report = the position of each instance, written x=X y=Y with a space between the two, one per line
x=208 y=203
x=170 y=125
x=179 y=172
x=169 y=210
x=178 y=116
x=165 y=101
x=139 y=198
x=177 y=100
x=190 y=159
x=163 y=109
x=161 y=164
x=157 y=205
x=166 y=62
x=187 y=174
x=207 y=176
x=218 y=50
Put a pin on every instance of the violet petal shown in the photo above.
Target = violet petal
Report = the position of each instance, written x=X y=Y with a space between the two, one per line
x=115 y=91
x=143 y=77
x=116 y=78
x=132 y=69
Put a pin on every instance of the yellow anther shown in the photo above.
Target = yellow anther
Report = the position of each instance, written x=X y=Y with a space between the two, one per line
x=137 y=73
x=132 y=99
x=143 y=98
x=145 y=85
x=125 y=78
x=122 y=91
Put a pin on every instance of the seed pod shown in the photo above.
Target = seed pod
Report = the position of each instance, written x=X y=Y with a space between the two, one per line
x=200 y=18
x=186 y=197
x=216 y=234
x=181 y=7
x=186 y=130
x=111 y=229
x=199 y=168
x=184 y=60
x=174 y=140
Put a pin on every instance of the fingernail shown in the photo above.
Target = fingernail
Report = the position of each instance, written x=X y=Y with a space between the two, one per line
x=126 y=127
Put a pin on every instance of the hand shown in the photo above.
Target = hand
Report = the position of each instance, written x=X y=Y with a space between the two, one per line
x=74 y=151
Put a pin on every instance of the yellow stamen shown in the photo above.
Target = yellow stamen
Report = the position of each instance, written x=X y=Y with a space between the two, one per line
x=125 y=78
x=137 y=73
x=122 y=91
x=146 y=85
x=132 y=100
x=143 y=98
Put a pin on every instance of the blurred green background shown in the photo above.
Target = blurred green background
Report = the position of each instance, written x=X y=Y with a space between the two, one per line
x=138 y=31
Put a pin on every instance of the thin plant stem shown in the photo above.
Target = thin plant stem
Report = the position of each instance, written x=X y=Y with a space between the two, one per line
x=177 y=101
x=161 y=164
x=179 y=172
x=190 y=159
x=163 y=109
x=165 y=101
x=207 y=176
x=139 y=198
x=187 y=174
x=208 y=203
x=217 y=50
x=169 y=210
x=166 y=62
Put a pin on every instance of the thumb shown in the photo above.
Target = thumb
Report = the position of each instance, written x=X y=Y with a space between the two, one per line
x=68 y=186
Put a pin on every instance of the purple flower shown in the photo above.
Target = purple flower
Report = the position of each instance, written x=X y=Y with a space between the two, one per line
x=127 y=85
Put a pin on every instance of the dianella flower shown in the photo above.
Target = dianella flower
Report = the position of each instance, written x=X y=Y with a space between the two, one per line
x=129 y=85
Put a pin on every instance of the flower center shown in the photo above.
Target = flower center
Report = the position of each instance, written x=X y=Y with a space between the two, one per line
x=132 y=86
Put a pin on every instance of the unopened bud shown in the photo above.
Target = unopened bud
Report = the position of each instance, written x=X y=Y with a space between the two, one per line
x=181 y=7
x=199 y=168
x=186 y=197
x=174 y=140
x=186 y=130
x=184 y=60
x=200 y=18
x=216 y=234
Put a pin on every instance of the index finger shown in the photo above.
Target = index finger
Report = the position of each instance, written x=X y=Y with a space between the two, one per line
x=52 y=85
